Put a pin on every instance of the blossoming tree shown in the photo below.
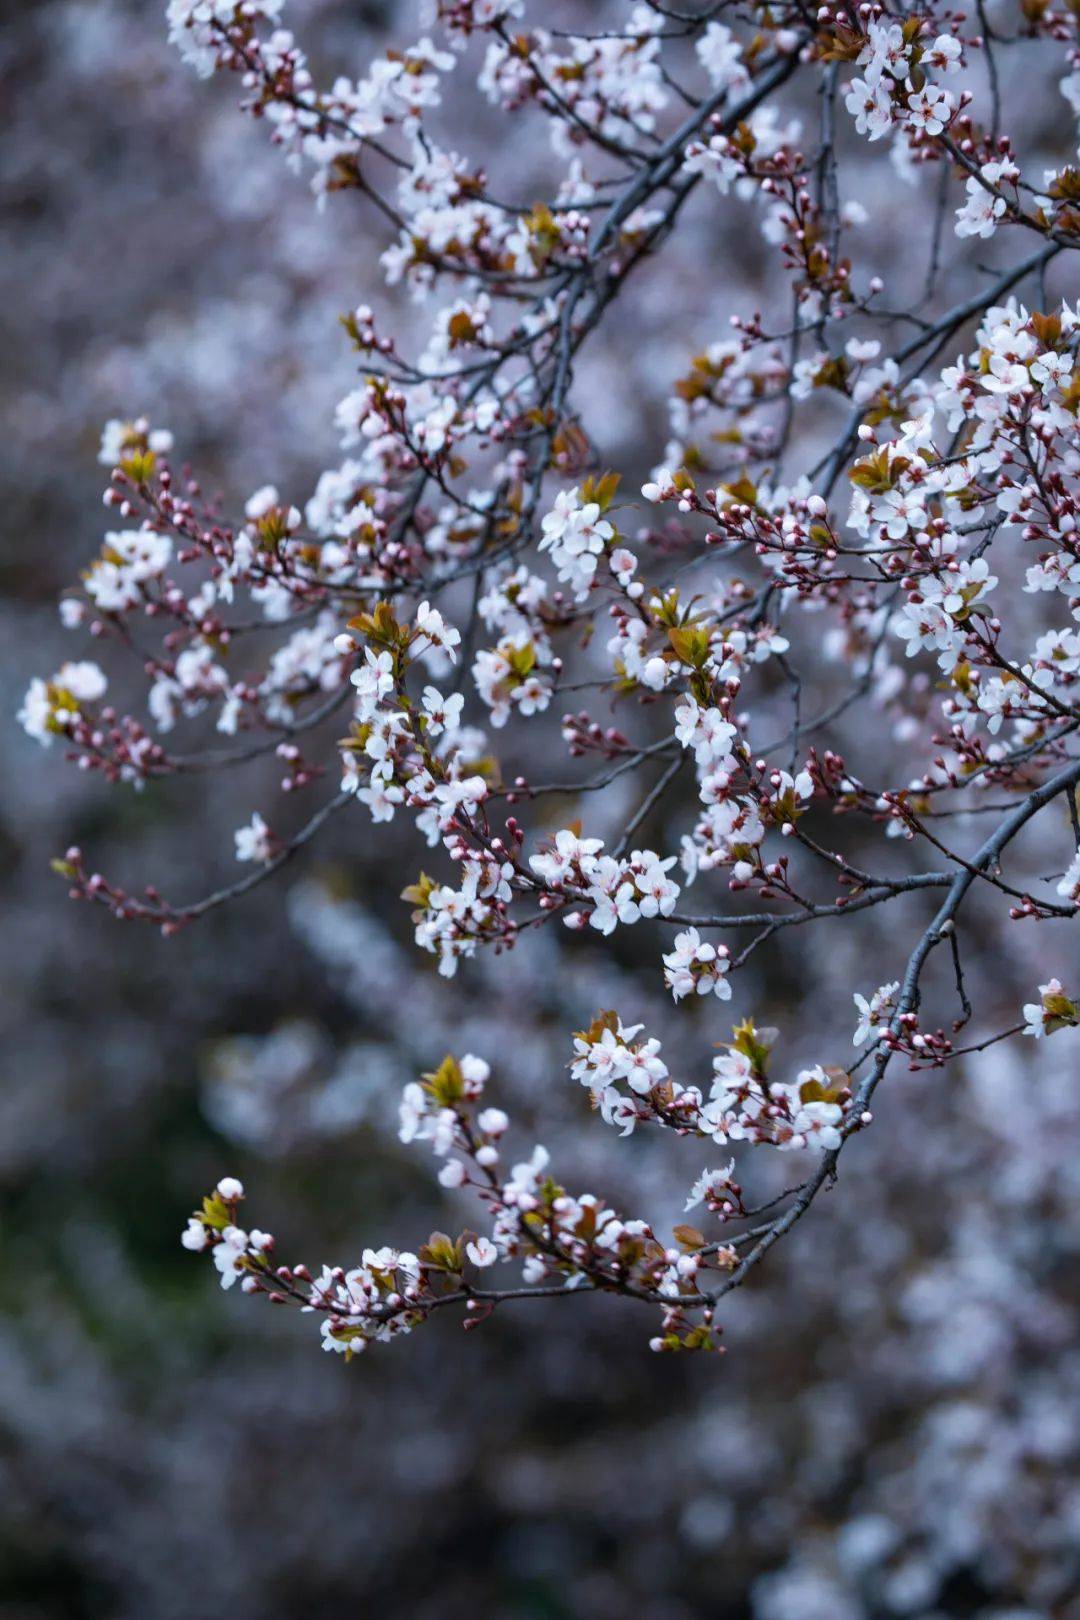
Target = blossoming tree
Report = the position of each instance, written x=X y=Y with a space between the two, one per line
x=841 y=526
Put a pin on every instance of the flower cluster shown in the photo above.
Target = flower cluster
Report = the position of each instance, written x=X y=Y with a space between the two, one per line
x=560 y=1241
x=743 y=1103
x=612 y=890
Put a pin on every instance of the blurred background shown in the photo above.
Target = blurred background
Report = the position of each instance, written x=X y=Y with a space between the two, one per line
x=893 y=1430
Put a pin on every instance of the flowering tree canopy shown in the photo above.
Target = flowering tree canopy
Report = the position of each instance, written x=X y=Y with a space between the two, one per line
x=863 y=511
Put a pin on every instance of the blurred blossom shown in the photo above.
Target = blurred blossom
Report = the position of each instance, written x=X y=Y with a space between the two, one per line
x=892 y=1431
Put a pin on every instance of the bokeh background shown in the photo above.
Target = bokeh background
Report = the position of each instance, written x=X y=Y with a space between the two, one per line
x=893 y=1431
